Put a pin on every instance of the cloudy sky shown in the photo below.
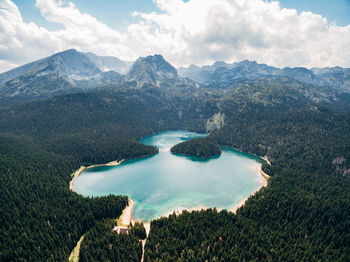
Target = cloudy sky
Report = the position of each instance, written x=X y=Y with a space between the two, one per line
x=282 y=33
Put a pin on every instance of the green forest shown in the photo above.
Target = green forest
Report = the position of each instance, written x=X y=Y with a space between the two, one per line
x=303 y=214
x=200 y=147
x=101 y=243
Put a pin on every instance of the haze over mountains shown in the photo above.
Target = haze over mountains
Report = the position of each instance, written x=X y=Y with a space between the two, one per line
x=225 y=75
x=109 y=63
x=71 y=71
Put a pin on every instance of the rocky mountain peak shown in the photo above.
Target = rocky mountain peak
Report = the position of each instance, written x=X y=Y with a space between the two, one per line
x=152 y=69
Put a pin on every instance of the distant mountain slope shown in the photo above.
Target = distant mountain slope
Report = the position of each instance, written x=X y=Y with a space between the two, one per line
x=333 y=76
x=152 y=69
x=11 y=74
x=156 y=71
x=223 y=75
x=110 y=63
x=222 y=72
x=201 y=74
x=38 y=84
x=70 y=63
x=69 y=71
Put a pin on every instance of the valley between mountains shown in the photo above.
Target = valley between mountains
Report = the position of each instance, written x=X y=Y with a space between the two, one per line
x=76 y=109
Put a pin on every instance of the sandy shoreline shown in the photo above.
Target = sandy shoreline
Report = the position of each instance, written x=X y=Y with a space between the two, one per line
x=83 y=168
x=264 y=182
x=266 y=160
x=126 y=216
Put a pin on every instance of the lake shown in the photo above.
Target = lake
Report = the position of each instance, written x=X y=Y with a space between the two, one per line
x=166 y=182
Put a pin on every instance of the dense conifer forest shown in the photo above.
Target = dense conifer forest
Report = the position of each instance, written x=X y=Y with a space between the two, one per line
x=303 y=214
x=101 y=243
x=200 y=147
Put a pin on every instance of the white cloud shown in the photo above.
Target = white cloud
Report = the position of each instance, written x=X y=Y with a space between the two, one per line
x=22 y=42
x=197 y=31
x=5 y=65
x=204 y=31
x=19 y=39
x=82 y=31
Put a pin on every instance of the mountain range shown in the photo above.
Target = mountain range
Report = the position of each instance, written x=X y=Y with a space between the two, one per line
x=72 y=71
x=224 y=75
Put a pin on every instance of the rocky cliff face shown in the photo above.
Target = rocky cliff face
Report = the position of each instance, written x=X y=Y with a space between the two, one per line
x=215 y=122
x=152 y=69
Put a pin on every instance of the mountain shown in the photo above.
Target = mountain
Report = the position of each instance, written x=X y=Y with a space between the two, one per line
x=70 y=63
x=333 y=76
x=71 y=71
x=110 y=63
x=11 y=74
x=201 y=74
x=152 y=69
x=156 y=71
x=195 y=73
x=221 y=72
x=65 y=72
x=226 y=76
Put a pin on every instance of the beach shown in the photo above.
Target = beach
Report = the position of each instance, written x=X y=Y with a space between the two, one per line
x=126 y=216
x=264 y=181
x=83 y=168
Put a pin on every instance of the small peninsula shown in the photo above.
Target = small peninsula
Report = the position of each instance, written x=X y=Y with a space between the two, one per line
x=199 y=147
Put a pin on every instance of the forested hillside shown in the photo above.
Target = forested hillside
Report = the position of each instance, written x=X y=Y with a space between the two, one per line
x=303 y=214
x=43 y=142
x=101 y=243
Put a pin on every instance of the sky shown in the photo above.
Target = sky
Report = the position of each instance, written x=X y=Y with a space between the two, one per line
x=282 y=33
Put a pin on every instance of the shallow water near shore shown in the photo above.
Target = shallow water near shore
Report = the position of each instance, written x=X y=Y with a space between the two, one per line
x=166 y=182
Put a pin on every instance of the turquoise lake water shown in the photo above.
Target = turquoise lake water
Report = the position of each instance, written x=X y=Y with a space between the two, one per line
x=166 y=182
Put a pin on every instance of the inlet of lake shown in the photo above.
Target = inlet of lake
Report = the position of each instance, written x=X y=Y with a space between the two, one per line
x=165 y=182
